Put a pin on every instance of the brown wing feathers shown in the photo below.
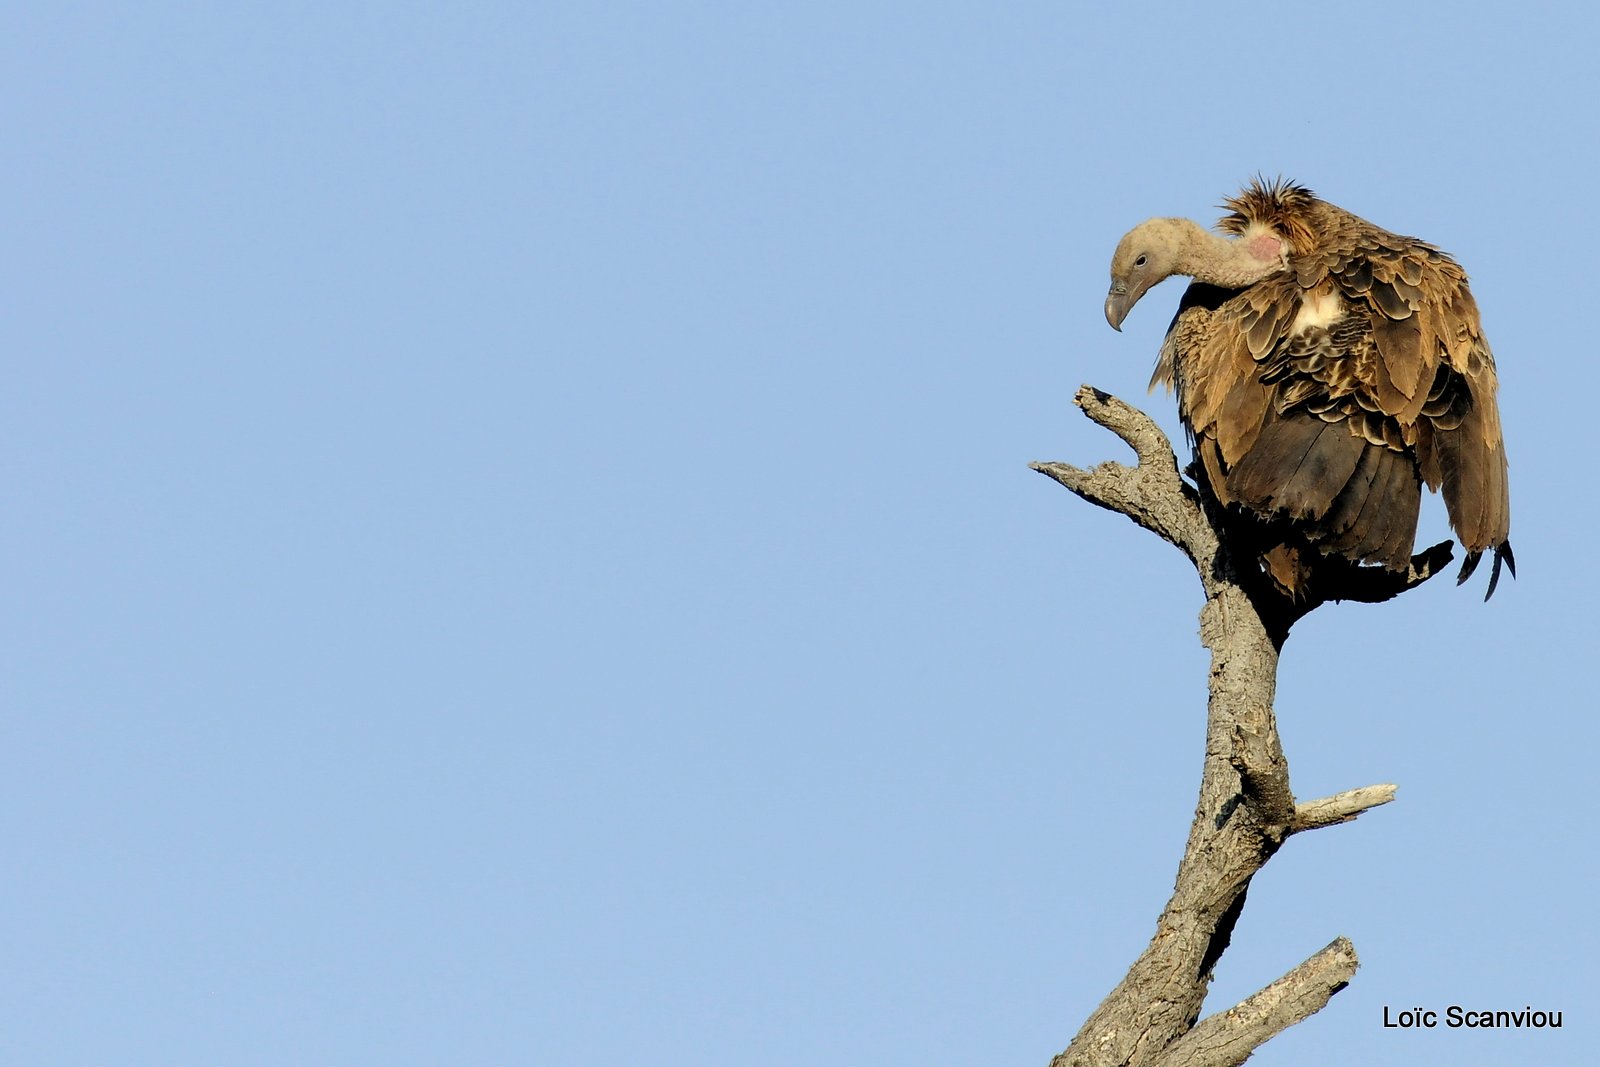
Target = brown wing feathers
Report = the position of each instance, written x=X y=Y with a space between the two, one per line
x=1328 y=392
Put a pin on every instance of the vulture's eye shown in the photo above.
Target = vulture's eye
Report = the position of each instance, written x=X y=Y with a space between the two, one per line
x=1140 y=261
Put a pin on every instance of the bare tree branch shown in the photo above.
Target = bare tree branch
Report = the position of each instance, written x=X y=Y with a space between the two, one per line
x=1227 y=1038
x=1246 y=808
x=1341 y=807
x=1152 y=493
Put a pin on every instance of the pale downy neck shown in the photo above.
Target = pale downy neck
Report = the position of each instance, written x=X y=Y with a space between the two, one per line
x=1231 y=262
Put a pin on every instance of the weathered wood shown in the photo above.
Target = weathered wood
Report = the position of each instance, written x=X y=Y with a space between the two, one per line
x=1227 y=1038
x=1246 y=808
x=1341 y=807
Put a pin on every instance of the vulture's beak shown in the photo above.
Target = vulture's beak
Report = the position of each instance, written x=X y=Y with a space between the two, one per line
x=1118 y=301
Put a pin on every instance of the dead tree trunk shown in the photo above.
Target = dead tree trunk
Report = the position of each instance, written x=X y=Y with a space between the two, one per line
x=1246 y=808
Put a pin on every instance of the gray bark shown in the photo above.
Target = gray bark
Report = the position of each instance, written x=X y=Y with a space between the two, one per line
x=1246 y=808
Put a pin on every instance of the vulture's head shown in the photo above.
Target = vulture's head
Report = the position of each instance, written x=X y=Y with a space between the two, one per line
x=1147 y=254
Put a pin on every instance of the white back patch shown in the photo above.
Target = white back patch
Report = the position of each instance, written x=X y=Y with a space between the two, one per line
x=1318 y=310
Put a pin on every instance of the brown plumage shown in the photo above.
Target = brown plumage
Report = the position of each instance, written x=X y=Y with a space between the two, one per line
x=1326 y=369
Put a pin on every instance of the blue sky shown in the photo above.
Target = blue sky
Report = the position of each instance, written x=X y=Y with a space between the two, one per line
x=520 y=548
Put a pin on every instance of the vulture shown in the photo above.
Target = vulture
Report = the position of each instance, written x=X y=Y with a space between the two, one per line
x=1326 y=369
